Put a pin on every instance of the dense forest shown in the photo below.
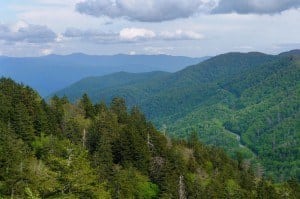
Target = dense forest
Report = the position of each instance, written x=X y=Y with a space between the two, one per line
x=81 y=150
x=242 y=102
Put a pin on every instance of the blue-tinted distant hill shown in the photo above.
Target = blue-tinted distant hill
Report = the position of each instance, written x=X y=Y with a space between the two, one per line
x=53 y=72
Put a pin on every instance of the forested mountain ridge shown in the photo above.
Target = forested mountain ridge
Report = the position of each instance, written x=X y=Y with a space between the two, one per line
x=218 y=67
x=294 y=53
x=108 y=82
x=246 y=102
x=63 y=150
x=49 y=73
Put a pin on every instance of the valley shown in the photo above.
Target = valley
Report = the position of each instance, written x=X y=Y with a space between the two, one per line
x=240 y=102
x=155 y=99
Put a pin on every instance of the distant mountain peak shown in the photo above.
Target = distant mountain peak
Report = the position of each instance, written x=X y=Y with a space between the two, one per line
x=253 y=53
x=54 y=72
x=295 y=52
x=78 y=54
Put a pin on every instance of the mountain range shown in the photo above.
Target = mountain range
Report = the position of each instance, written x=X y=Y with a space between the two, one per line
x=64 y=150
x=244 y=102
x=50 y=73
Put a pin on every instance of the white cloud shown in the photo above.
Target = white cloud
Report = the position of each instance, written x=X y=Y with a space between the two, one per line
x=47 y=51
x=132 y=53
x=181 y=35
x=59 y=38
x=134 y=34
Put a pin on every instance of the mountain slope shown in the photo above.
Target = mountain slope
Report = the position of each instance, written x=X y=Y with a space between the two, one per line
x=64 y=150
x=178 y=91
x=99 y=86
x=294 y=53
x=262 y=108
x=242 y=102
x=53 y=72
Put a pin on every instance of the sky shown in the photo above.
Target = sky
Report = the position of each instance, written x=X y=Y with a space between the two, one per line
x=193 y=28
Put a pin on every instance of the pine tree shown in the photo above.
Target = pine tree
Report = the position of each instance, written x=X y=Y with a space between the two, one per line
x=88 y=106
x=118 y=107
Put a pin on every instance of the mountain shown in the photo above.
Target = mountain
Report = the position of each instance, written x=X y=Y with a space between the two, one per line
x=64 y=150
x=243 y=102
x=295 y=53
x=53 y=72
x=108 y=82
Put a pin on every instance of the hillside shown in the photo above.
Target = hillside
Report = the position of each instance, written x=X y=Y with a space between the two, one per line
x=63 y=150
x=294 y=53
x=246 y=102
x=53 y=72
x=104 y=84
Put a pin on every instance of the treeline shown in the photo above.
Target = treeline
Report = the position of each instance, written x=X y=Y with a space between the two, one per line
x=82 y=150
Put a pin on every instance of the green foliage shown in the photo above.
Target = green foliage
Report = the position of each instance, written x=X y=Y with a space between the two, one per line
x=247 y=103
x=130 y=183
x=114 y=153
x=88 y=107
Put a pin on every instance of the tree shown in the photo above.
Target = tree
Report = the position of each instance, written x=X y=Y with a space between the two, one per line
x=75 y=175
x=22 y=123
x=118 y=107
x=129 y=183
x=88 y=106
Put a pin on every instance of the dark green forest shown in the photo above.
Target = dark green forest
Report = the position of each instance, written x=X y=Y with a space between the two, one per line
x=243 y=102
x=85 y=150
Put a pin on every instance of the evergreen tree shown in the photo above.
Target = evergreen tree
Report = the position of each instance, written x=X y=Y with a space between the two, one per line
x=88 y=106
x=118 y=107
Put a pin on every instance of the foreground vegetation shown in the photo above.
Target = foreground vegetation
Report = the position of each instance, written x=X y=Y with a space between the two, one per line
x=64 y=150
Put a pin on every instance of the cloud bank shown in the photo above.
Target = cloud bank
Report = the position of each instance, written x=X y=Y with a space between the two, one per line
x=90 y=35
x=164 y=10
x=27 y=33
x=130 y=35
x=145 y=11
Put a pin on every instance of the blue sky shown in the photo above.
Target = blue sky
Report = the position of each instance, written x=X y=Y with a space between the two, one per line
x=177 y=27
